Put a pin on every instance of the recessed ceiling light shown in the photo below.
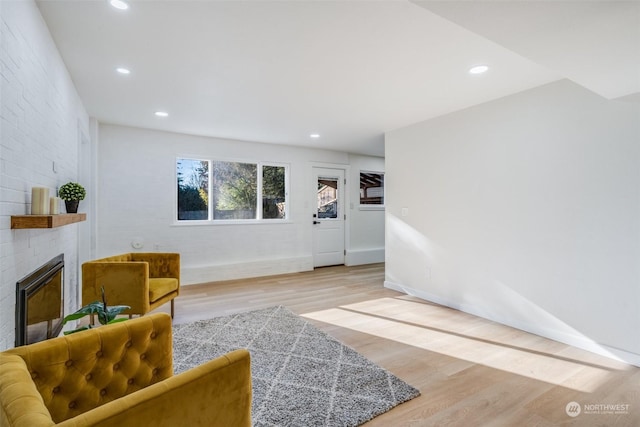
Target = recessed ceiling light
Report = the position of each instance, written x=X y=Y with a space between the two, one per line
x=478 y=69
x=162 y=114
x=314 y=135
x=119 y=4
x=122 y=70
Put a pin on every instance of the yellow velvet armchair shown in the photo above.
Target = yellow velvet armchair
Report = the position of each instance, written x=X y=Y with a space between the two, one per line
x=143 y=281
x=121 y=375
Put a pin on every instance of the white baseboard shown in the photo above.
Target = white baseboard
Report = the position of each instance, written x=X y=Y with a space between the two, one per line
x=574 y=340
x=364 y=256
x=190 y=275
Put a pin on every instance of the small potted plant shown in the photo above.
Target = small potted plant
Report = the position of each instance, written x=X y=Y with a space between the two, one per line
x=106 y=315
x=72 y=193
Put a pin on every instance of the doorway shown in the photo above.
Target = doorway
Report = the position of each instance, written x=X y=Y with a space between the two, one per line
x=328 y=217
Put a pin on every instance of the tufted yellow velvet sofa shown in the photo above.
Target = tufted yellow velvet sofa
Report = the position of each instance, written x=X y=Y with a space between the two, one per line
x=120 y=375
x=143 y=281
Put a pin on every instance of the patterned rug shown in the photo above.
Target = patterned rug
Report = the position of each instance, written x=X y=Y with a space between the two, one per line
x=301 y=376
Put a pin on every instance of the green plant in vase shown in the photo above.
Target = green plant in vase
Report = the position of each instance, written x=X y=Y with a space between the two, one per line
x=72 y=193
x=106 y=315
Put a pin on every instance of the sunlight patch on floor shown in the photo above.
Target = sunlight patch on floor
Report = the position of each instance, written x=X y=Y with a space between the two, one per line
x=438 y=329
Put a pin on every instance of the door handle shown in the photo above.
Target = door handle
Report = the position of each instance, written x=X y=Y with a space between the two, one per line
x=316 y=222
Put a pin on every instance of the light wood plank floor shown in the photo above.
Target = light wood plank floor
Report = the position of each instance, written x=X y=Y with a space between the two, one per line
x=470 y=371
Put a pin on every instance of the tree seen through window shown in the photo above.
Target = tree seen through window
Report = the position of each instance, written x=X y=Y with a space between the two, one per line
x=236 y=188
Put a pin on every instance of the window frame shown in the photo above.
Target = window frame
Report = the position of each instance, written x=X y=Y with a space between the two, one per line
x=176 y=220
x=369 y=206
x=259 y=190
x=260 y=195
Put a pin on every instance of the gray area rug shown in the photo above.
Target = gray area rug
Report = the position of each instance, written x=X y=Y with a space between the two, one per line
x=301 y=376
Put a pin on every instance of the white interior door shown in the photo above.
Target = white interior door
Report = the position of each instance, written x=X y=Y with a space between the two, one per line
x=328 y=217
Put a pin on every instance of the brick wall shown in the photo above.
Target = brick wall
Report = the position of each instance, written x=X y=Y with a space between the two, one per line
x=41 y=118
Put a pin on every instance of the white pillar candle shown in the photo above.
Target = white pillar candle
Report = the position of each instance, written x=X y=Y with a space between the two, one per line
x=39 y=201
x=54 y=205
x=35 y=196
x=44 y=201
x=36 y=200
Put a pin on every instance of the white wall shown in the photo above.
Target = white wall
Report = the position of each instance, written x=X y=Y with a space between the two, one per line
x=525 y=210
x=41 y=120
x=366 y=226
x=136 y=182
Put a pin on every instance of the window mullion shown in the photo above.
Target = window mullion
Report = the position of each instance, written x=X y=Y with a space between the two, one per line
x=210 y=191
x=259 y=192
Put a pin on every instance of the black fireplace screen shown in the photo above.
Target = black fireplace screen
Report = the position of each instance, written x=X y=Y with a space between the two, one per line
x=40 y=303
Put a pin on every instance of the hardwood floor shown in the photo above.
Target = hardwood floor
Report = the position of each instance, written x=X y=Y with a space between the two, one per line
x=470 y=371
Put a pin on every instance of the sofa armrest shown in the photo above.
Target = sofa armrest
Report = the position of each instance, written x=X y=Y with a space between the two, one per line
x=215 y=394
x=77 y=373
x=20 y=403
x=125 y=283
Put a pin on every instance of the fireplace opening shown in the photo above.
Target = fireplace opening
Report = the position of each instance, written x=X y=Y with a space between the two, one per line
x=40 y=303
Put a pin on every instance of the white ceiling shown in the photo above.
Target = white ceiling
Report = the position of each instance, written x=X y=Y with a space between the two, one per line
x=277 y=71
x=594 y=43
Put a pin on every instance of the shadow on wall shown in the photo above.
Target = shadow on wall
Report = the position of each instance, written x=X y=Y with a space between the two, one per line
x=421 y=267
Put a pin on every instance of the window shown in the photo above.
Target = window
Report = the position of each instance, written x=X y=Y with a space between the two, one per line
x=235 y=190
x=193 y=189
x=327 y=197
x=274 y=201
x=371 y=189
x=213 y=190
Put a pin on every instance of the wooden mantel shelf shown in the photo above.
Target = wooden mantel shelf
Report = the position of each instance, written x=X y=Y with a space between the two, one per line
x=46 y=221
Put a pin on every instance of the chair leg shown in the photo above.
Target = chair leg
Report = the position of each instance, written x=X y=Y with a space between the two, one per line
x=172 y=307
x=130 y=316
x=92 y=319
